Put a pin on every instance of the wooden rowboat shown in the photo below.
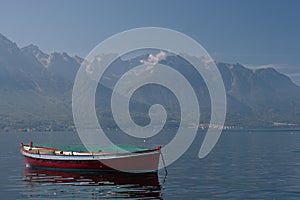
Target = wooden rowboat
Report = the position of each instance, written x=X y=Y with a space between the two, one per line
x=138 y=160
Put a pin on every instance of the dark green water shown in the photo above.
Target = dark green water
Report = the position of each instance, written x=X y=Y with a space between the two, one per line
x=243 y=165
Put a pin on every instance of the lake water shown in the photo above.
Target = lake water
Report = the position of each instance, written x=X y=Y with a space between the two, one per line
x=243 y=165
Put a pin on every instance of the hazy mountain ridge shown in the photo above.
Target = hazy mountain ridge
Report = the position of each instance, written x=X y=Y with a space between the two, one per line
x=268 y=95
x=36 y=88
x=30 y=95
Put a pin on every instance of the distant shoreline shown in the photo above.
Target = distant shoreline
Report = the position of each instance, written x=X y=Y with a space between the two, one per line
x=171 y=128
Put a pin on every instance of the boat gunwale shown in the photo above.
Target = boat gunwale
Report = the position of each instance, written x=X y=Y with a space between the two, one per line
x=93 y=156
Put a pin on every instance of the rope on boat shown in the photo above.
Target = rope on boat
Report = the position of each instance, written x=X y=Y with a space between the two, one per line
x=163 y=160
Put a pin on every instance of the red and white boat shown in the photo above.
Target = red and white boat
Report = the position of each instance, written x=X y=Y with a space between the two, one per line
x=46 y=157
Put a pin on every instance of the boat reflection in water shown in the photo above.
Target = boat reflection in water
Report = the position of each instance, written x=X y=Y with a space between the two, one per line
x=60 y=184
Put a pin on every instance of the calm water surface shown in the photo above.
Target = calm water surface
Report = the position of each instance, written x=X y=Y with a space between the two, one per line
x=243 y=165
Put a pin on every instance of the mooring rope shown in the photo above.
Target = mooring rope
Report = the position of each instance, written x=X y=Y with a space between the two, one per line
x=164 y=164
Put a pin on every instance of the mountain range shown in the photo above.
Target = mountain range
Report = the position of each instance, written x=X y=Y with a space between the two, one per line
x=36 y=90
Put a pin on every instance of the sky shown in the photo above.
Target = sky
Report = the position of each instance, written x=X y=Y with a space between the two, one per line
x=251 y=32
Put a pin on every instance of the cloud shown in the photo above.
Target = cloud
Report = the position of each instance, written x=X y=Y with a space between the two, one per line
x=262 y=66
x=295 y=75
x=154 y=59
x=286 y=69
x=139 y=72
x=207 y=60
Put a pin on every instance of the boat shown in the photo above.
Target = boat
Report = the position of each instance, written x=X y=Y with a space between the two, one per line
x=132 y=159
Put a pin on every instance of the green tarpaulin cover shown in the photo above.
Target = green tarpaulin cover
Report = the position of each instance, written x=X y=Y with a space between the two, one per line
x=117 y=148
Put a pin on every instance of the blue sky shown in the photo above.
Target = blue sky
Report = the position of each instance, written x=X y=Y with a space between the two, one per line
x=255 y=33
